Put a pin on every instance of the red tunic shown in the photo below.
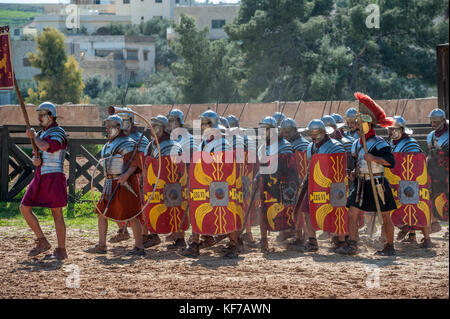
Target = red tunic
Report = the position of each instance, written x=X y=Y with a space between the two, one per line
x=124 y=204
x=48 y=190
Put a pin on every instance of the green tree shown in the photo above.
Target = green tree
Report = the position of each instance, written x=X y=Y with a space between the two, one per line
x=60 y=79
x=193 y=71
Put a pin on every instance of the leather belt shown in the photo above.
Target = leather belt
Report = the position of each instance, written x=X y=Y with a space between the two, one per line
x=112 y=176
x=367 y=176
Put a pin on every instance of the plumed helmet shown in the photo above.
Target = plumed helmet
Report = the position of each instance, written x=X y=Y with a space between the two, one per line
x=211 y=117
x=47 y=106
x=126 y=116
x=350 y=114
x=268 y=122
x=115 y=119
x=160 y=120
x=233 y=121
x=338 y=118
x=224 y=122
x=368 y=107
x=399 y=122
x=176 y=114
x=279 y=117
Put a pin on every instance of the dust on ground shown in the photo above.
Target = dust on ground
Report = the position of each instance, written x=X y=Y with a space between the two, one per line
x=282 y=273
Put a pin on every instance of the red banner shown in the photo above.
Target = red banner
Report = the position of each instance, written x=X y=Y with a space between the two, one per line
x=409 y=182
x=6 y=68
x=328 y=191
x=165 y=211
x=215 y=194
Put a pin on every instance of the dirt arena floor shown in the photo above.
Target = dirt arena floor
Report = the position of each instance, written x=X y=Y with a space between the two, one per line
x=413 y=273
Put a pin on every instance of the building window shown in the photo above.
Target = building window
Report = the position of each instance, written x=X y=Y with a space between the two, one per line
x=126 y=1
x=158 y=1
x=16 y=31
x=145 y=55
x=177 y=1
x=142 y=18
x=217 y=24
x=26 y=62
x=97 y=2
x=132 y=55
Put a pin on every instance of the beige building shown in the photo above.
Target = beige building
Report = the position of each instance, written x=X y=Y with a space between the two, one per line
x=91 y=22
x=143 y=10
x=116 y=56
x=214 y=17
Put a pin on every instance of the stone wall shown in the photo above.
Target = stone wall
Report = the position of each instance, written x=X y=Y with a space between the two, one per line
x=91 y=115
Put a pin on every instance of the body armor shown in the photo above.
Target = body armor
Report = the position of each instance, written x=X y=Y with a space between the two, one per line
x=216 y=145
x=167 y=147
x=407 y=144
x=352 y=136
x=144 y=142
x=375 y=142
x=329 y=147
x=347 y=143
x=282 y=147
x=437 y=144
x=53 y=162
x=186 y=143
x=113 y=153
x=300 y=144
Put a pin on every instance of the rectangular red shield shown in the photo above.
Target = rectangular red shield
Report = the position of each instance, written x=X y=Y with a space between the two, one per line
x=328 y=192
x=409 y=181
x=165 y=211
x=215 y=193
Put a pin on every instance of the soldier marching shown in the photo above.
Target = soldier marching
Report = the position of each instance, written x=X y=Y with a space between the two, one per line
x=296 y=198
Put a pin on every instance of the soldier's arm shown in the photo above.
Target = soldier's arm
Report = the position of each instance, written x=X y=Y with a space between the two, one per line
x=382 y=156
x=40 y=143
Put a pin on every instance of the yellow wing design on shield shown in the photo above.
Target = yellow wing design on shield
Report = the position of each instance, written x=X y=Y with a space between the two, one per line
x=201 y=212
x=321 y=179
x=272 y=212
x=155 y=212
x=391 y=177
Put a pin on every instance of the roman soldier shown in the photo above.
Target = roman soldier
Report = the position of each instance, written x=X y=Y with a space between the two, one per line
x=402 y=142
x=437 y=162
x=131 y=130
x=181 y=136
x=321 y=143
x=328 y=120
x=278 y=117
x=340 y=123
x=213 y=141
x=288 y=130
x=350 y=120
x=121 y=199
x=170 y=150
x=278 y=188
x=248 y=144
x=361 y=197
x=48 y=187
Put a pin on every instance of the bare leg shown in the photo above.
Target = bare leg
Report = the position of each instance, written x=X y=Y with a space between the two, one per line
x=310 y=232
x=353 y=213
x=137 y=233
x=102 y=230
x=32 y=221
x=388 y=227
x=60 y=226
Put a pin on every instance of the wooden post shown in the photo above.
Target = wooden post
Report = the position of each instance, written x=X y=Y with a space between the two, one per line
x=4 y=163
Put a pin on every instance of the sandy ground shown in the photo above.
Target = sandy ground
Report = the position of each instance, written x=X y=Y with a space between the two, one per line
x=413 y=273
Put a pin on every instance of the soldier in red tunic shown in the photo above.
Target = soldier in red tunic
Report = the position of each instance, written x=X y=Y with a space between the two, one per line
x=48 y=187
